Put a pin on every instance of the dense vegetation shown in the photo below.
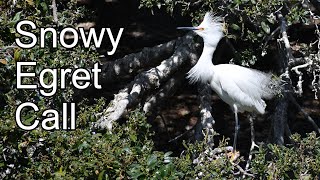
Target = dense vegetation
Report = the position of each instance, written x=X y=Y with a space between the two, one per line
x=128 y=152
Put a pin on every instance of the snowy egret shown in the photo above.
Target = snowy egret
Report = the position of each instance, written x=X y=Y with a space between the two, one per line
x=242 y=88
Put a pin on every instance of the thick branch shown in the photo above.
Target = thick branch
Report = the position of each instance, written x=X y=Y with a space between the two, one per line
x=206 y=121
x=168 y=89
x=146 y=81
x=131 y=63
x=280 y=115
x=285 y=39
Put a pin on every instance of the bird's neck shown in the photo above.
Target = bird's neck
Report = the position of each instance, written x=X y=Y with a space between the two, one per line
x=206 y=56
x=203 y=70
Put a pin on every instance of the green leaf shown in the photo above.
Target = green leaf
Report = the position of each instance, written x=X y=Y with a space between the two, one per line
x=235 y=27
x=17 y=17
x=135 y=171
x=17 y=54
x=152 y=161
x=265 y=27
x=44 y=6
x=29 y=119
x=100 y=177
x=133 y=137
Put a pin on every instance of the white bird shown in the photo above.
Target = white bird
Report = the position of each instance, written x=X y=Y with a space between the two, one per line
x=242 y=88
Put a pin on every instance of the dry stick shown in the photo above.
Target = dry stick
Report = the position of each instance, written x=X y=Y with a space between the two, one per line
x=147 y=80
x=130 y=64
x=300 y=61
x=180 y=135
x=270 y=37
x=54 y=11
x=242 y=170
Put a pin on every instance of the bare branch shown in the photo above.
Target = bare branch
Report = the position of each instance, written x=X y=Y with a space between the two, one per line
x=146 y=81
x=131 y=63
x=54 y=11
x=285 y=39
x=206 y=122
x=280 y=115
x=168 y=89
x=245 y=173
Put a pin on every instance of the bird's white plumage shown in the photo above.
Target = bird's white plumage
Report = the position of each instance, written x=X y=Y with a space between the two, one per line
x=242 y=88
x=238 y=86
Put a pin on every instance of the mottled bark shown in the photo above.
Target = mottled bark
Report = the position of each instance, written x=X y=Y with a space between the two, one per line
x=206 y=122
x=168 y=89
x=130 y=64
x=280 y=115
x=147 y=81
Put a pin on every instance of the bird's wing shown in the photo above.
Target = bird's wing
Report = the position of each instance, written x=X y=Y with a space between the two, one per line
x=252 y=82
x=244 y=86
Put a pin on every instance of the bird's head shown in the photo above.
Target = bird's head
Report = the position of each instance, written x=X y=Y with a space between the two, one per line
x=211 y=29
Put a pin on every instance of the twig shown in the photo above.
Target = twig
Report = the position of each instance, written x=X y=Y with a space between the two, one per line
x=299 y=89
x=180 y=135
x=242 y=170
x=269 y=38
x=8 y=47
x=54 y=11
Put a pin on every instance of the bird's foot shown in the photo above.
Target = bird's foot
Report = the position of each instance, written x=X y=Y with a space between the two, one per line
x=233 y=155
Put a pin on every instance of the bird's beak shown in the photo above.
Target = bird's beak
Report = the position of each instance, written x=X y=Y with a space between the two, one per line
x=188 y=28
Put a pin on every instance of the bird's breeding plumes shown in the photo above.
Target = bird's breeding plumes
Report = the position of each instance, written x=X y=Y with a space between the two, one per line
x=211 y=29
x=238 y=86
x=212 y=22
x=242 y=88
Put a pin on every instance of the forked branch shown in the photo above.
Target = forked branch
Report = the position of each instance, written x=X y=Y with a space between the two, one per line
x=147 y=81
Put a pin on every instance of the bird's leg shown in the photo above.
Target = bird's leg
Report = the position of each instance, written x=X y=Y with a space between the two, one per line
x=253 y=144
x=236 y=129
x=234 y=154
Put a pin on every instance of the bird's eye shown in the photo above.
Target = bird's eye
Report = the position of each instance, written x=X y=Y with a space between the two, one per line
x=201 y=29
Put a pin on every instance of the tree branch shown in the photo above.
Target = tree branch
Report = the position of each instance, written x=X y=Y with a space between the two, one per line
x=147 y=80
x=280 y=115
x=54 y=11
x=168 y=89
x=131 y=63
x=206 y=122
